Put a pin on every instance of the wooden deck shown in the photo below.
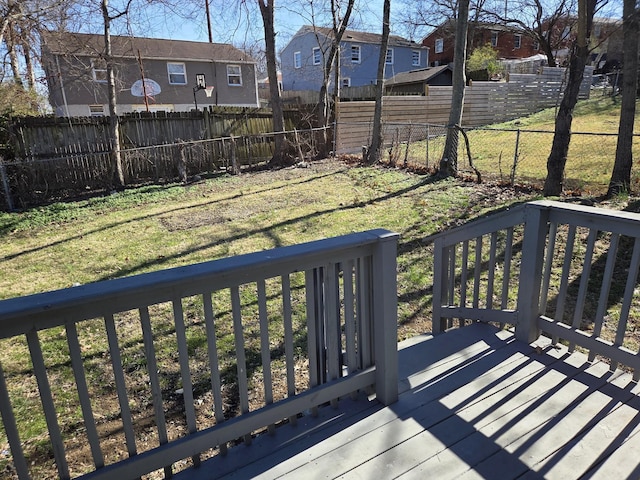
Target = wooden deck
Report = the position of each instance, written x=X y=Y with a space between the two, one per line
x=474 y=403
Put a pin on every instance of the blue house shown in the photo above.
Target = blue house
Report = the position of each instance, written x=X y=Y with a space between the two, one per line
x=302 y=59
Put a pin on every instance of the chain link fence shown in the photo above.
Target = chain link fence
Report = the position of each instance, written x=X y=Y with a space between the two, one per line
x=512 y=156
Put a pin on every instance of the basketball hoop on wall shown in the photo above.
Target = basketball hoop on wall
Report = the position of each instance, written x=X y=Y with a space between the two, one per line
x=201 y=84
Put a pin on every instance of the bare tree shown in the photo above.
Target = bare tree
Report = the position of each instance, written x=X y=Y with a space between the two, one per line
x=267 y=11
x=621 y=175
x=562 y=134
x=449 y=160
x=547 y=23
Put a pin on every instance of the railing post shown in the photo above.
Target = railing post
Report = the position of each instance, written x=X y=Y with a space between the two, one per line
x=533 y=247
x=440 y=282
x=385 y=318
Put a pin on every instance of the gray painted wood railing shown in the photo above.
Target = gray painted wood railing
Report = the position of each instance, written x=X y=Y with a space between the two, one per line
x=349 y=328
x=567 y=270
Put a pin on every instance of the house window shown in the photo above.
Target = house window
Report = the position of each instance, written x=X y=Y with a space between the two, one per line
x=346 y=82
x=317 y=57
x=297 y=60
x=234 y=75
x=436 y=63
x=597 y=30
x=389 y=59
x=96 y=110
x=439 y=45
x=99 y=72
x=415 y=58
x=177 y=73
x=565 y=32
x=355 y=53
x=517 y=40
x=494 y=39
x=536 y=45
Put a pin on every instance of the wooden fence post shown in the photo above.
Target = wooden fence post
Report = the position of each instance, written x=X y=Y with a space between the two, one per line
x=385 y=318
x=5 y=185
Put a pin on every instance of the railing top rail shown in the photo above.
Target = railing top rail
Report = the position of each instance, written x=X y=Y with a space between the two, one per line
x=50 y=309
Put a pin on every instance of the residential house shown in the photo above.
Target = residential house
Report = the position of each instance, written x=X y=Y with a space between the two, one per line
x=416 y=82
x=302 y=60
x=510 y=42
x=151 y=74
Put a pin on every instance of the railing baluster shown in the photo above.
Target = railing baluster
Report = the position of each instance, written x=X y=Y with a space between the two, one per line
x=464 y=274
x=313 y=301
x=632 y=278
x=332 y=323
x=506 y=272
x=564 y=279
x=118 y=373
x=477 y=272
x=154 y=380
x=440 y=273
x=214 y=366
x=452 y=282
x=363 y=288
x=83 y=394
x=349 y=317
x=288 y=340
x=265 y=347
x=584 y=283
x=548 y=265
x=492 y=269
x=243 y=387
x=40 y=371
x=185 y=371
x=605 y=288
x=11 y=430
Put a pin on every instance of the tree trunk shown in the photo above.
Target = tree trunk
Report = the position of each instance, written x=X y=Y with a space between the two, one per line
x=117 y=176
x=266 y=10
x=13 y=54
x=557 y=160
x=449 y=160
x=621 y=176
x=374 y=153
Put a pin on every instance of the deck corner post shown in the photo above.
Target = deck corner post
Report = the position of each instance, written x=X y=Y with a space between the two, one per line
x=533 y=246
x=440 y=281
x=385 y=318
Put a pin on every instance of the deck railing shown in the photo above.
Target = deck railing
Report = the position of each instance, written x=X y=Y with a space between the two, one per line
x=567 y=270
x=223 y=349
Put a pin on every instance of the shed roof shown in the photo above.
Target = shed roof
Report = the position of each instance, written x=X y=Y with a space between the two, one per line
x=92 y=45
x=422 y=75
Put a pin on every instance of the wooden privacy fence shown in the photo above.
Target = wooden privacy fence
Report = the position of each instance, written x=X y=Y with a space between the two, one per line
x=567 y=270
x=35 y=138
x=222 y=350
x=30 y=181
x=485 y=103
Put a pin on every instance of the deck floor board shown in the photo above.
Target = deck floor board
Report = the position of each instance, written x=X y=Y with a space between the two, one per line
x=475 y=403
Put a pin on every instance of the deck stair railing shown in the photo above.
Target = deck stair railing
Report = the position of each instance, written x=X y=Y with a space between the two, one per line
x=224 y=349
x=567 y=270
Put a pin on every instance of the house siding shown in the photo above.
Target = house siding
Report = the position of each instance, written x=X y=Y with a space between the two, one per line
x=309 y=76
x=73 y=90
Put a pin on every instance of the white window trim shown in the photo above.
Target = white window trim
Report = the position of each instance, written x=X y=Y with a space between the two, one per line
x=316 y=50
x=96 y=110
x=494 y=35
x=94 y=72
x=388 y=61
x=184 y=72
x=234 y=75
x=439 y=46
x=517 y=40
x=356 y=48
x=416 y=54
x=297 y=60
x=345 y=80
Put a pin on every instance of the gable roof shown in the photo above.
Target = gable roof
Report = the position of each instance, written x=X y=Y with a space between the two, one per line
x=92 y=45
x=362 y=37
x=417 y=76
